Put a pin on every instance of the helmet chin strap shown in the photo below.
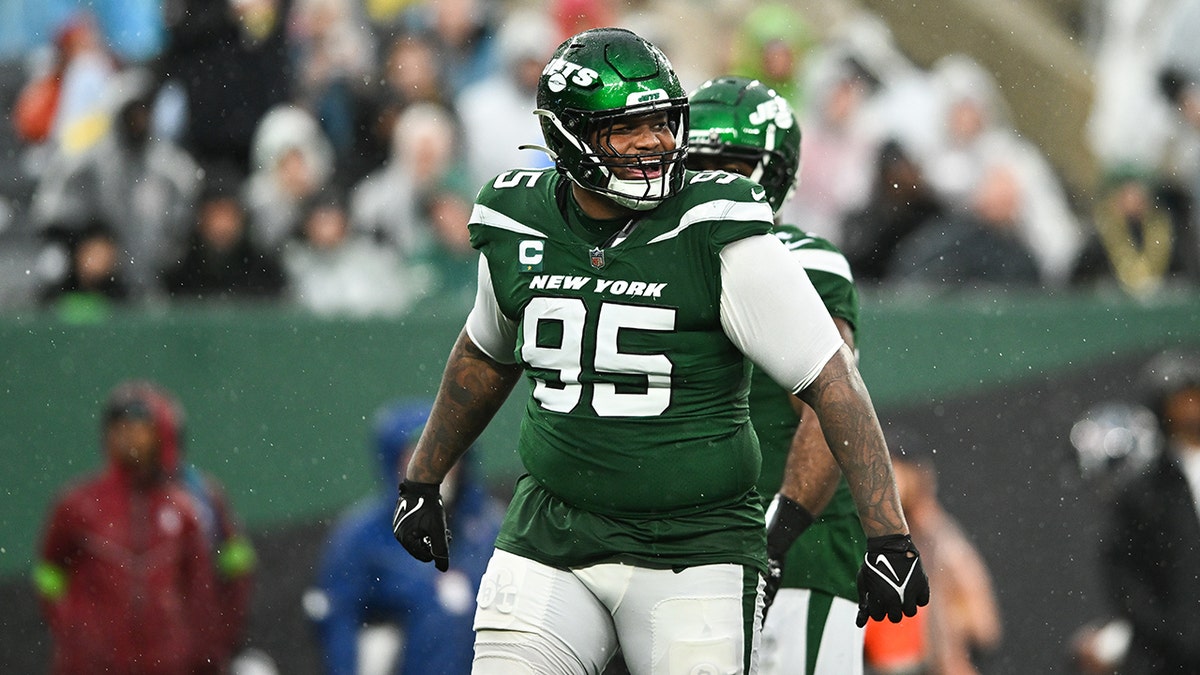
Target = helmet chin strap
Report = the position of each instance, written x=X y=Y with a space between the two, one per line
x=639 y=195
x=759 y=169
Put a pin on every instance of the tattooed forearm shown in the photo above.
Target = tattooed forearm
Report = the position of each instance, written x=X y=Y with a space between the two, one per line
x=473 y=388
x=811 y=473
x=855 y=438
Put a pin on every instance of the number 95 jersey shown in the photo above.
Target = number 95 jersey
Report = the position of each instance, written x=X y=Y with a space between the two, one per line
x=638 y=402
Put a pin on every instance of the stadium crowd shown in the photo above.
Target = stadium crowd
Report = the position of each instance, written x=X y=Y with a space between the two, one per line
x=325 y=152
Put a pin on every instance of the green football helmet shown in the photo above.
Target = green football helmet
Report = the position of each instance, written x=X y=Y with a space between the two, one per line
x=743 y=120
x=595 y=79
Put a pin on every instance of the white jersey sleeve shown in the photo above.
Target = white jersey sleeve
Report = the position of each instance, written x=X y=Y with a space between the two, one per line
x=492 y=332
x=772 y=313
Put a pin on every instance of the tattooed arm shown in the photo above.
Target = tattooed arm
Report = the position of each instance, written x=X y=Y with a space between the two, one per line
x=772 y=313
x=811 y=474
x=852 y=430
x=473 y=388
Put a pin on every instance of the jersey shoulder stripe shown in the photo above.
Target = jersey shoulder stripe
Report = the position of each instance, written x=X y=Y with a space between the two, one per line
x=814 y=252
x=510 y=205
x=719 y=209
x=828 y=269
x=483 y=215
x=728 y=205
x=824 y=261
x=795 y=237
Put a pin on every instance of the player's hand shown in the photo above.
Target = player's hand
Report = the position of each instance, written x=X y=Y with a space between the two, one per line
x=420 y=523
x=786 y=521
x=891 y=581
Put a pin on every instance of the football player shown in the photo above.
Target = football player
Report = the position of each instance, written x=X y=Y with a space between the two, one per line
x=631 y=294
x=742 y=126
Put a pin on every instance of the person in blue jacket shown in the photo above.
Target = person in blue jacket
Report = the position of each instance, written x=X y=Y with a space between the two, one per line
x=365 y=580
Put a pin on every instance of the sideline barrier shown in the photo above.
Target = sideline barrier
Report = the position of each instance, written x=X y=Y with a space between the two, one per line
x=279 y=404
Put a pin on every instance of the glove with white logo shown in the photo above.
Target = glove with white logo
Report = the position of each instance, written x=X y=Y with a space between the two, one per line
x=891 y=581
x=786 y=521
x=420 y=523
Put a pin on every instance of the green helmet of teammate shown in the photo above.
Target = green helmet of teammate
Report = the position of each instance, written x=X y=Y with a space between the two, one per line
x=594 y=79
x=739 y=119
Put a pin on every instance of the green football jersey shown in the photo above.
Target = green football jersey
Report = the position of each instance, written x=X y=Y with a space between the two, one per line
x=636 y=436
x=827 y=556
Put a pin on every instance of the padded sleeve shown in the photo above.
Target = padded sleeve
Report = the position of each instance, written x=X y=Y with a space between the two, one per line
x=491 y=331
x=771 y=311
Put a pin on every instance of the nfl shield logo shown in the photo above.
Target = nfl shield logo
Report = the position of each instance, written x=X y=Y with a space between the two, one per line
x=597 y=257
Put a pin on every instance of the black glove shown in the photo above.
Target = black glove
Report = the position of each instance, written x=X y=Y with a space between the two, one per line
x=420 y=523
x=891 y=580
x=786 y=521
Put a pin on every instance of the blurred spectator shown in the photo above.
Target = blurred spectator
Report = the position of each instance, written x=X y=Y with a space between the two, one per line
x=61 y=103
x=1151 y=548
x=410 y=74
x=334 y=54
x=332 y=271
x=978 y=245
x=836 y=149
x=1179 y=82
x=497 y=112
x=230 y=549
x=1143 y=239
x=901 y=200
x=904 y=99
x=425 y=152
x=227 y=63
x=860 y=92
x=975 y=134
x=144 y=187
x=293 y=161
x=94 y=282
x=1129 y=123
x=962 y=622
x=221 y=261
x=373 y=120
x=446 y=208
x=413 y=71
x=463 y=33
x=771 y=46
x=124 y=573
x=1113 y=442
x=366 y=581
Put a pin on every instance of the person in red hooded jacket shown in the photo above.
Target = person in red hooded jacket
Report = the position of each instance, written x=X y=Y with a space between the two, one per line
x=125 y=572
x=233 y=556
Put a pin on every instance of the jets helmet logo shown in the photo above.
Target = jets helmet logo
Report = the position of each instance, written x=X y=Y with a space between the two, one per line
x=561 y=72
x=776 y=110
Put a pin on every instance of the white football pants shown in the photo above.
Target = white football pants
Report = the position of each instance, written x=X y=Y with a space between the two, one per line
x=538 y=620
x=799 y=622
